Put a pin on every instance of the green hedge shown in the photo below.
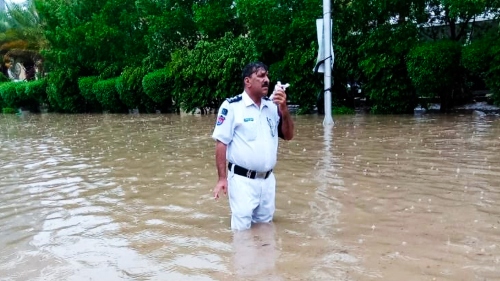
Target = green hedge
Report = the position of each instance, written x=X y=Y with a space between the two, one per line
x=23 y=99
x=158 y=85
x=37 y=90
x=9 y=110
x=28 y=95
x=129 y=87
x=62 y=91
x=107 y=95
x=9 y=94
x=85 y=85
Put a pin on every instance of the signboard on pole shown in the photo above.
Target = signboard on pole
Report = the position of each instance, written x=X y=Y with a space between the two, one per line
x=320 y=60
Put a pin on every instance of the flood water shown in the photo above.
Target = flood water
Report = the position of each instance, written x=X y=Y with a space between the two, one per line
x=129 y=197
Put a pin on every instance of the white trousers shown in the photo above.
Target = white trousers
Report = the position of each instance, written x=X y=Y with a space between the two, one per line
x=251 y=200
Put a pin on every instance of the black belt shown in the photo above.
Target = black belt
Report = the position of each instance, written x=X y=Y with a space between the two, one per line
x=248 y=173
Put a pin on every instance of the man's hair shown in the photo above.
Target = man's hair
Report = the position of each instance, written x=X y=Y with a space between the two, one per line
x=251 y=68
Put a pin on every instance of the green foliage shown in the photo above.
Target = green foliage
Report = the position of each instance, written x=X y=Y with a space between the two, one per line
x=107 y=95
x=383 y=56
x=493 y=74
x=158 y=85
x=3 y=78
x=22 y=98
x=215 y=17
x=129 y=87
x=278 y=26
x=14 y=95
x=62 y=91
x=85 y=85
x=92 y=37
x=435 y=70
x=206 y=43
x=9 y=110
x=481 y=59
x=211 y=72
x=9 y=94
x=475 y=56
x=343 y=110
x=171 y=27
x=36 y=90
x=295 y=68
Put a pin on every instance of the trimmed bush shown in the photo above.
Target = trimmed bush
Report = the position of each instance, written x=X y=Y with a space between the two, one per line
x=107 y=95
x=86 y=84
x=158 y=85
x=25 y=101
x=129 y=87
x=9 y=94
x=9 y=110
x=37 y=90
x=62 y=91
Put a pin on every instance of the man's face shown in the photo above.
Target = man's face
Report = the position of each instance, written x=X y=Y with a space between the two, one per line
x=258 y=83
x=8 y=64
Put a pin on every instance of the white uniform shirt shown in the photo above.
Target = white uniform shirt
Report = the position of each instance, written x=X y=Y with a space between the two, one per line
x=250 y=132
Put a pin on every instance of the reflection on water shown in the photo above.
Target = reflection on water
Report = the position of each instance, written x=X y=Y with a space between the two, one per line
x=256 y=252
x=127 y=197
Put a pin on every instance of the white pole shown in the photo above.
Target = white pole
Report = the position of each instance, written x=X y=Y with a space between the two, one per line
x=328 y=70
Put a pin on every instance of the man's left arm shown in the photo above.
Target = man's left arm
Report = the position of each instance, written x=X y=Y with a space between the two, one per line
x=285 y=127
x=286 y=124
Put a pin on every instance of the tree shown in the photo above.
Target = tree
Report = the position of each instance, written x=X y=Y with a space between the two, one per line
x=211 y=72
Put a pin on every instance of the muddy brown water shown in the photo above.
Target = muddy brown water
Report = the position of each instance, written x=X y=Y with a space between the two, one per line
x=128 y=197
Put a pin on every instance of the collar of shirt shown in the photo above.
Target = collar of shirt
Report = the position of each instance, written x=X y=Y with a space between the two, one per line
x=248 y=101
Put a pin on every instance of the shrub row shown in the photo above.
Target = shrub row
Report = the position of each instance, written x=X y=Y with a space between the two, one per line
x=25 y=95
x=133 y=89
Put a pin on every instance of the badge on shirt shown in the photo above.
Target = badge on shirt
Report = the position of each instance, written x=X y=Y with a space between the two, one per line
x=224 y=111
x=248 y=119
x=220 y=120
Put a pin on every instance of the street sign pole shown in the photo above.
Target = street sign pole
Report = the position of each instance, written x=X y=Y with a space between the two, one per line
x=327 y=31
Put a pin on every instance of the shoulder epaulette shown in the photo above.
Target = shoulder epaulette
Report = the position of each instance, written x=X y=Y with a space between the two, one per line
x=235 y=99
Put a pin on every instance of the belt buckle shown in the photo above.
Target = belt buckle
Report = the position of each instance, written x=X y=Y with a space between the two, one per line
x=260 y=175
x=249 y=174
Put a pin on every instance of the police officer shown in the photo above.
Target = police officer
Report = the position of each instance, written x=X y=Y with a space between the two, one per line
x=246 y=133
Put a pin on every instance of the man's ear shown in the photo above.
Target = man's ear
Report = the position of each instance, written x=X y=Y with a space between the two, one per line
x=247 y=81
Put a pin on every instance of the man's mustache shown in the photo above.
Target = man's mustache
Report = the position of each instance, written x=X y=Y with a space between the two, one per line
x=265 y=85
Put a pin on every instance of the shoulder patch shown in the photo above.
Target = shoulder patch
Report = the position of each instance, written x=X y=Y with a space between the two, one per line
x=235 y=99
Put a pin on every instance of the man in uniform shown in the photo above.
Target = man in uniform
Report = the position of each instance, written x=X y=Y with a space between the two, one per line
x=246 y=133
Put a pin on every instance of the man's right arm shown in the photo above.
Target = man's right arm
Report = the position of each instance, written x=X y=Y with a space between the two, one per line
x=220 y=159
x=223 y=135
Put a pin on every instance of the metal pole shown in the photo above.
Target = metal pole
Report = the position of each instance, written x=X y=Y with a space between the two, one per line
x=327 y=31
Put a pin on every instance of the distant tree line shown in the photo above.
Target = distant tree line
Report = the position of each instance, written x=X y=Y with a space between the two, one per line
x=171 y=55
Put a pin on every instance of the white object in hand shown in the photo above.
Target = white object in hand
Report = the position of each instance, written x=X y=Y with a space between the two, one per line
x=282 y=86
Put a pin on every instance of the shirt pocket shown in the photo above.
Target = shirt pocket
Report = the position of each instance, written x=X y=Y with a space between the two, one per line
x=250 y=128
